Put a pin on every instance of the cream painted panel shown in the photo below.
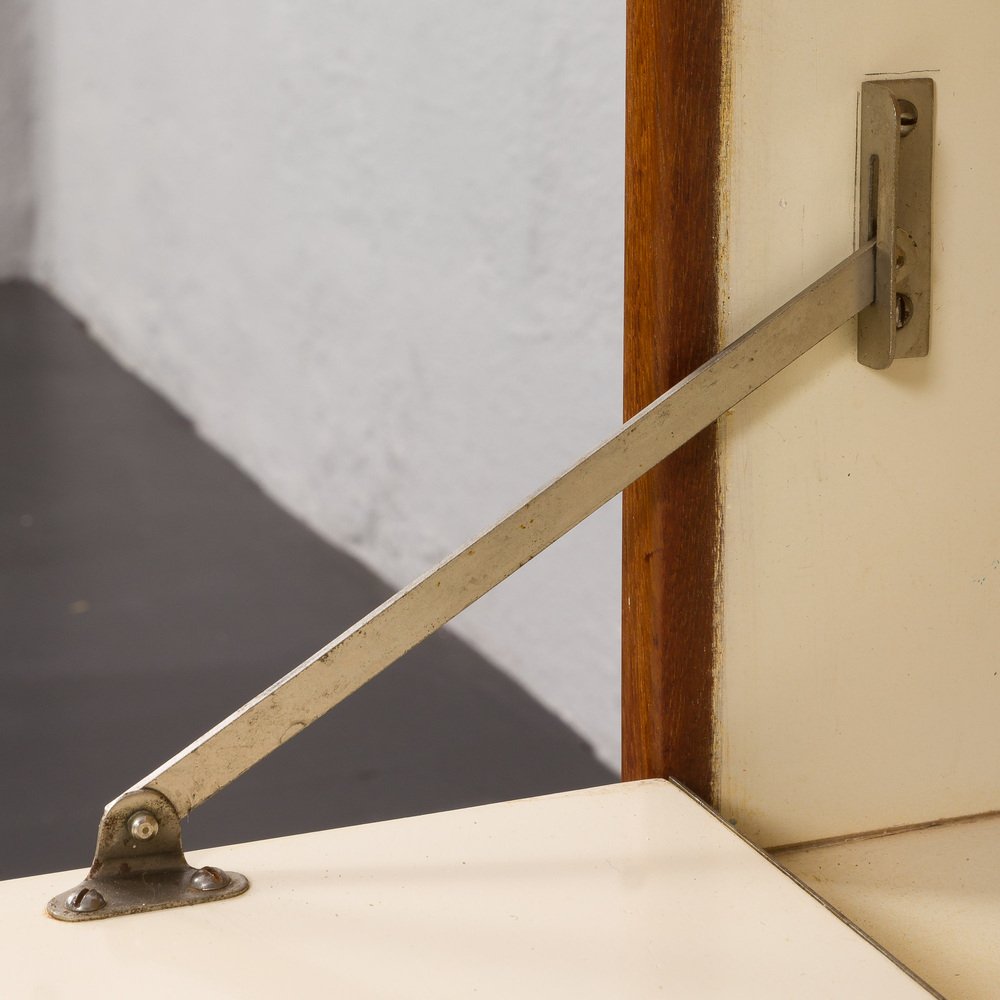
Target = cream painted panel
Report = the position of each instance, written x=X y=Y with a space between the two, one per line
x=861 y=595
x=932 y=897
x=629 y=891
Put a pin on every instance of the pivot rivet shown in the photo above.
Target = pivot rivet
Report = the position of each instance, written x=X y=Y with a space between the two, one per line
x=143 y=825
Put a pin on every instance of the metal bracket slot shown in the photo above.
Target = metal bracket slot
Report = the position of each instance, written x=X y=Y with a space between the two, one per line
x=139 y=863
x=896 y=138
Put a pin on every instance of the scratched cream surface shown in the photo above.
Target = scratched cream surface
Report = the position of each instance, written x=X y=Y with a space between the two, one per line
x=625 y=891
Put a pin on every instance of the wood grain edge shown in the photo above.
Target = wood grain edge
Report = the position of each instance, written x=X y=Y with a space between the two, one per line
x=672 y=516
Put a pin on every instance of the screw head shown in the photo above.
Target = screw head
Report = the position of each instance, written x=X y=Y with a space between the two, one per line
x=907 y=117
x=143 y=825
x=84 y=900
x=904 y=310
x=208 y=878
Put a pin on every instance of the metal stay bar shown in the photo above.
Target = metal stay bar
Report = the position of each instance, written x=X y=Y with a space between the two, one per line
x=140 y=830
x=339 y=669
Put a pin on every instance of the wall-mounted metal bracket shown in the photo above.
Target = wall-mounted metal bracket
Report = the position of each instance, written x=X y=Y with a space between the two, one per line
x=896 y=138
x=139 y=865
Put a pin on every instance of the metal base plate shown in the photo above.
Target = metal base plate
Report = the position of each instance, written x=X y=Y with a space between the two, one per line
x=139 y=893
x=140 y=866
x=896 y=146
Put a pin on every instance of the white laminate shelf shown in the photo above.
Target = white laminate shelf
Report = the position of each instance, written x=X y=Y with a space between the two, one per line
x=628 y=891
x=930 y=896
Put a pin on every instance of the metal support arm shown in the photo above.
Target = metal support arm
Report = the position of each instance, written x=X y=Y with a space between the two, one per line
x=140 y=832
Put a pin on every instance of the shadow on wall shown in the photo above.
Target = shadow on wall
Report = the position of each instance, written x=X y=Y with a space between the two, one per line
x=149 y=589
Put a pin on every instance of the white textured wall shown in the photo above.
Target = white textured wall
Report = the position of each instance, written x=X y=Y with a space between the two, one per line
x=17 y=107
x=374 y=250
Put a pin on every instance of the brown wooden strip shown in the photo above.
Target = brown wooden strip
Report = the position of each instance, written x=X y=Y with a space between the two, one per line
x=671 y=516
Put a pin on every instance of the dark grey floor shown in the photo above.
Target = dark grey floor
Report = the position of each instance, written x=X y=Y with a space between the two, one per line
x=147 y=589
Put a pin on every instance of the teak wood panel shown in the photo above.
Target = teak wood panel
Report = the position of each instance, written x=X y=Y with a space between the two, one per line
x=671 y=516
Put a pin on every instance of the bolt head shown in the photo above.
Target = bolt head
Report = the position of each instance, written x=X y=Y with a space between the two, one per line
x=143 y=826
x=208 y=878
x=907 y=117
x=904 y=310
x=84 y=900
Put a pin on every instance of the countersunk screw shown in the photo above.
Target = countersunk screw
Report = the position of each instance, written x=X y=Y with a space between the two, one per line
x=209 y=878
x=85 y=900
x=143 y=825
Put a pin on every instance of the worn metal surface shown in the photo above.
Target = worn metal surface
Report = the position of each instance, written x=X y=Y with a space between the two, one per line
x=312 y=689
x=140 y=866
x=896 y=145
